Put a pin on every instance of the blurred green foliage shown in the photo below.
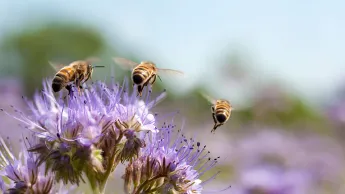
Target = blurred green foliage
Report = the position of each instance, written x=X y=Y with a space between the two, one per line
x=58 y=42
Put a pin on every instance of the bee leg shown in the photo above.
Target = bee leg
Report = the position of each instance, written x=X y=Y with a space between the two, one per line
x=140 y=90
x=152 y=82
x=79 y=82
x=215 y=123
x=146 y=84
x=69 y=89
x=215 y=127
x=159 y=78
x=88 y=76
x=143 y=86
x=79 y=87
x=150 y=88
x=214 y=118
x=153 y=79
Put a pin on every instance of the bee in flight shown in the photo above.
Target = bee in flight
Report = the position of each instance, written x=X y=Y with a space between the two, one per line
x=77 y=72
x=221 y=111
x=144 y=73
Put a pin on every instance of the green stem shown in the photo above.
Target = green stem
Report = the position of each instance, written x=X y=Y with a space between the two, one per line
x=97 y=190
x=105 y=176
x=93 y=183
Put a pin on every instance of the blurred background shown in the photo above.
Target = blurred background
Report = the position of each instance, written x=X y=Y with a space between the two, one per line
x=280 y=63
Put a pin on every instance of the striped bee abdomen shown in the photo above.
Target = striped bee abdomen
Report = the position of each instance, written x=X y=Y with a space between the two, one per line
x=57 y=84
x=61 y=78
x=222 y=112
x=68 y=72
x=140 y=74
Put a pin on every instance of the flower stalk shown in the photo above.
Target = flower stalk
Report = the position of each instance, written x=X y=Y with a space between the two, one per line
x=112 y=164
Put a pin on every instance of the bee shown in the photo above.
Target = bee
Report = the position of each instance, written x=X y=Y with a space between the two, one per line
x=221 y=111
x=77 y=72
x=144 y=73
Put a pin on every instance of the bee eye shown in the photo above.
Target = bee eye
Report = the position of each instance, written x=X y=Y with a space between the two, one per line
x=137 y=79
x=220 y=118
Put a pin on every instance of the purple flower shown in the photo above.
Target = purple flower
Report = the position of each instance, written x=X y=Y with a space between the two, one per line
x=88 y=133
x=83 y=118
x=168 y=165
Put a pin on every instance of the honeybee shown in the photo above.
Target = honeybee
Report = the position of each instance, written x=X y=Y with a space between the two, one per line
x=221 y=111
x=144 y=73
x=77 y=72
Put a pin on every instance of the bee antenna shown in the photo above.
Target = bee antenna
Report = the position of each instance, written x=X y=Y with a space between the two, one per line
x=159 y=78
x=98 y=66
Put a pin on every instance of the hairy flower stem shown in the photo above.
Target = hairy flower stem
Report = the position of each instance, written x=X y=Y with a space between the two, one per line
x=93 y=183
x=111 y=166
x=142 y=186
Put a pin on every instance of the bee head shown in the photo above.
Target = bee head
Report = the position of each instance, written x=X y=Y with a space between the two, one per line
x=90 y=69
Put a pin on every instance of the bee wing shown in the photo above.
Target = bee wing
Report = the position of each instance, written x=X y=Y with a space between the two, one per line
x=93 y=59
x=170 y=71
x=56 y=66
x=241 y=107
x=208 y=98
x=125 y=63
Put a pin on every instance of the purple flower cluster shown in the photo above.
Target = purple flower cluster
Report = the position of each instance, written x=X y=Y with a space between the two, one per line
x=169 y=165
x=88 y=135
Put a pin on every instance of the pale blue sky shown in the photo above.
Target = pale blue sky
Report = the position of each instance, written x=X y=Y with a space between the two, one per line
x=300 y=42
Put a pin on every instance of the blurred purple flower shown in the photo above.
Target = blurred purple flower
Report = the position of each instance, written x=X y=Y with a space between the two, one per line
x=11 y=90
x=278 y=162
x=11 y=94
x=168 y=165
x=336 y=112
